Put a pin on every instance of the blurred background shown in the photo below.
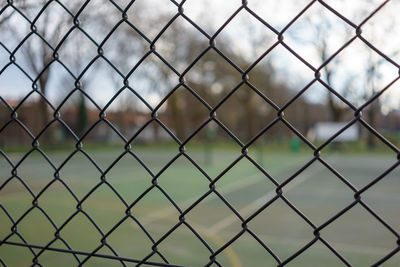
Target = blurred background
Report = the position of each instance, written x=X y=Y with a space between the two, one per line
x=94 y=74
x=357 y=73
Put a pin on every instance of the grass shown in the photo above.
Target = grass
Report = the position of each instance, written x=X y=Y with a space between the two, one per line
x=318 y=193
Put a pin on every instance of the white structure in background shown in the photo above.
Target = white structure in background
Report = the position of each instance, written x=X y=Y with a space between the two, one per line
x=325 y=130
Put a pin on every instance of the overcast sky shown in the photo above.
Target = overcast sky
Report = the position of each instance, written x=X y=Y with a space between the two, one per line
x=301 y=37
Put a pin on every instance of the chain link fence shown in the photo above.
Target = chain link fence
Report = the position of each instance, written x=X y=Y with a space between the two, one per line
x=14 y=238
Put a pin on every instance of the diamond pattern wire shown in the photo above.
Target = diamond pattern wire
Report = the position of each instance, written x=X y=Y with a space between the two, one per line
x=81 y=257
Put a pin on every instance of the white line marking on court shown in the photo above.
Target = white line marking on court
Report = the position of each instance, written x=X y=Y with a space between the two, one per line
x=228 y=189
x=253 y=206
x=298 y=242
x=250 y=180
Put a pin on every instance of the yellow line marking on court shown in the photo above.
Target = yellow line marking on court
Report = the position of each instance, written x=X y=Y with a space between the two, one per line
x=214 y=238
x=229 y=251
x=212 y=233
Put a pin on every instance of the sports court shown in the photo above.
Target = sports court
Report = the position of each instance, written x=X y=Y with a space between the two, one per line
x=316 y=192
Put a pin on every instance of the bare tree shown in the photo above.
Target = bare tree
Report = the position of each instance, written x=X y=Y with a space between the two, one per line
x=38 y=50
x=320 y=30
x=374 y=70
x=51 y=26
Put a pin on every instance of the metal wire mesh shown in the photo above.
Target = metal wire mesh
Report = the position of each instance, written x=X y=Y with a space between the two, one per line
x=82 y=257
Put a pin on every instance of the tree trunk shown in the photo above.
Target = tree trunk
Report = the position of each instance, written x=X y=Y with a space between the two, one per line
x=336 y=111
x=81 y=116
x=44 y=116
x=156 y=134
x=251 y=116
x=175 y=111
x=371 y=115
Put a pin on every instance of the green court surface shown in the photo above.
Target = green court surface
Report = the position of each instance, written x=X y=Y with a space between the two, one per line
x=316 y=192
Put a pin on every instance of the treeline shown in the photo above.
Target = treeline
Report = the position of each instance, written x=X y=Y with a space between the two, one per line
x=74 y=75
